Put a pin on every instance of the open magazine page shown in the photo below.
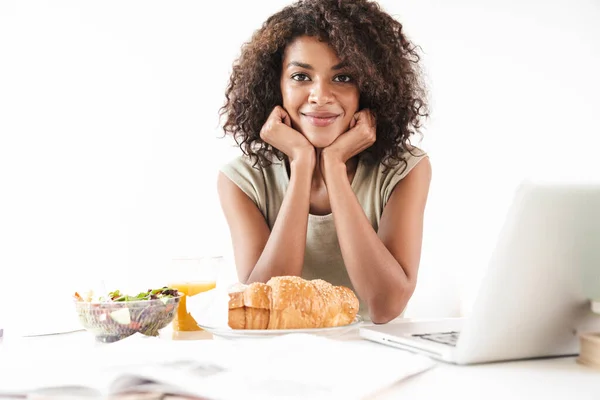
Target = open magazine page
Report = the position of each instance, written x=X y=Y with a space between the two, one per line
x=76 y=365
x=183 y=377
x=306 y=366
x=291 y=366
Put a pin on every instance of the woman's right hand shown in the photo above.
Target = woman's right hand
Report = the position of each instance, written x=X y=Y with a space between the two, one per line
x=278 y=132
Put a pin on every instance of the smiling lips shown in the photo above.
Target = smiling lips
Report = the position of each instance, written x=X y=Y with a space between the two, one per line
x=320 y=118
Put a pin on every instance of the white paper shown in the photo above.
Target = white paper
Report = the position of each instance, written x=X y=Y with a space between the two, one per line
x=302 y=365
x=32 y=364
x=290 y=366
x=210 y=308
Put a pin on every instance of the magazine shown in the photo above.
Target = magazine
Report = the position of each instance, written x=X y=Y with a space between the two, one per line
x=290 y=366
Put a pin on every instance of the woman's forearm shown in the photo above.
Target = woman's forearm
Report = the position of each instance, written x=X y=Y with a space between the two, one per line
x=284 y=251
x=375 y=273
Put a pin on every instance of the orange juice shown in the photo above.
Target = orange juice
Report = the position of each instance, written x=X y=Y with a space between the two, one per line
x=184 y=321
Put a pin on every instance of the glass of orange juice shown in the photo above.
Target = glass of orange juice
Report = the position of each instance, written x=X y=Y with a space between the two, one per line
x=192 y=276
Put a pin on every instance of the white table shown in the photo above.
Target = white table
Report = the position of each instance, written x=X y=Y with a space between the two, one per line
x=557 y=378
x=551 y=378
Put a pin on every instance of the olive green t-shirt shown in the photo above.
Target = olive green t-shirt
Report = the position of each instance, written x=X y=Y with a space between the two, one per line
x=372 y=184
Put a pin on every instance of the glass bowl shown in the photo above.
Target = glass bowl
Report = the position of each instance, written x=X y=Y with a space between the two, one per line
x=113 y=321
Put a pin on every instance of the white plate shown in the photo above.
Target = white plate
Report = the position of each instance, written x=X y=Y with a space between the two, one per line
x=227 y=332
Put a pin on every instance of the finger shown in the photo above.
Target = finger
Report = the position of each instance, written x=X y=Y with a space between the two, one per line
x=369 y=117
x=363 y=116
x=372 y=119
x=366 y=117
x=283 y=116
x=353 y=121
x=286 y=119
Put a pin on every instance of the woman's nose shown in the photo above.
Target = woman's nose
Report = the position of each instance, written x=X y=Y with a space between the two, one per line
x=321 y=93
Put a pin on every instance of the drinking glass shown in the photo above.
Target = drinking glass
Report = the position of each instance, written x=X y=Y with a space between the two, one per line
x=192 y=276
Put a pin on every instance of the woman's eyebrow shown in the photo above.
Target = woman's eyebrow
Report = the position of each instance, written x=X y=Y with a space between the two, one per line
x=341 y=65
x=299 y=64
x=308 y=66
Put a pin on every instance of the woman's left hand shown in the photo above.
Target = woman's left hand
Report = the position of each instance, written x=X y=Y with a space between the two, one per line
x=359 y=137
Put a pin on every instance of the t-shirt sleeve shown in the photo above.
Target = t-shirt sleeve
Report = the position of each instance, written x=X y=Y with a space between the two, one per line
x=249 y=179
x=394 y=175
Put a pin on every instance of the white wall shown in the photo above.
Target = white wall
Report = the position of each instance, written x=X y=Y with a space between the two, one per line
x=109 y=149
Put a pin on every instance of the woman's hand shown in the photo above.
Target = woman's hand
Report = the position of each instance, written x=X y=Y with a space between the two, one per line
x=359 y=137
x=278 y=132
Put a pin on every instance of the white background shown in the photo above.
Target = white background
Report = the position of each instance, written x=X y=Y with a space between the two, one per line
x=109 y=133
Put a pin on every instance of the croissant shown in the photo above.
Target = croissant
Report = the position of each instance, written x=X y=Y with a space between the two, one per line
x=290 y=302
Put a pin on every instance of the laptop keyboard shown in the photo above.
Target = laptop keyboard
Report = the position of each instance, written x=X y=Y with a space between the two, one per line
x=448 y=338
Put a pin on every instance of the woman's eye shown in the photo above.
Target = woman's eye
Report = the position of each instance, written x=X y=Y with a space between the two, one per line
x=300 y=77
x=343 y=78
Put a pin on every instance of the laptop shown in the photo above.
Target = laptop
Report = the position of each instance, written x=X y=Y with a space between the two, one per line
x=531 y=302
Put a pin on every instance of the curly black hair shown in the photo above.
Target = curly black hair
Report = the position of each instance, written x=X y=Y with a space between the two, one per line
x=383 y=61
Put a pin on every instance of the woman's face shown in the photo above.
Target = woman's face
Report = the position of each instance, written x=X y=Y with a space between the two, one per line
x=318 y=94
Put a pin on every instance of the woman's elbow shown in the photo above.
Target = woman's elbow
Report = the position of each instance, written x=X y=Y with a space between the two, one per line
x=383 y=315
x=386 y=308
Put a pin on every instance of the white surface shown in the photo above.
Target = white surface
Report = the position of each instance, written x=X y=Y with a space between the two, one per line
x=294 y=366
x=548 y=379
x=596 y=307
x=48 y=324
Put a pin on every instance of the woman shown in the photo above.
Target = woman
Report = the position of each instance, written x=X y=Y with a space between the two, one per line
x=323 y=101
